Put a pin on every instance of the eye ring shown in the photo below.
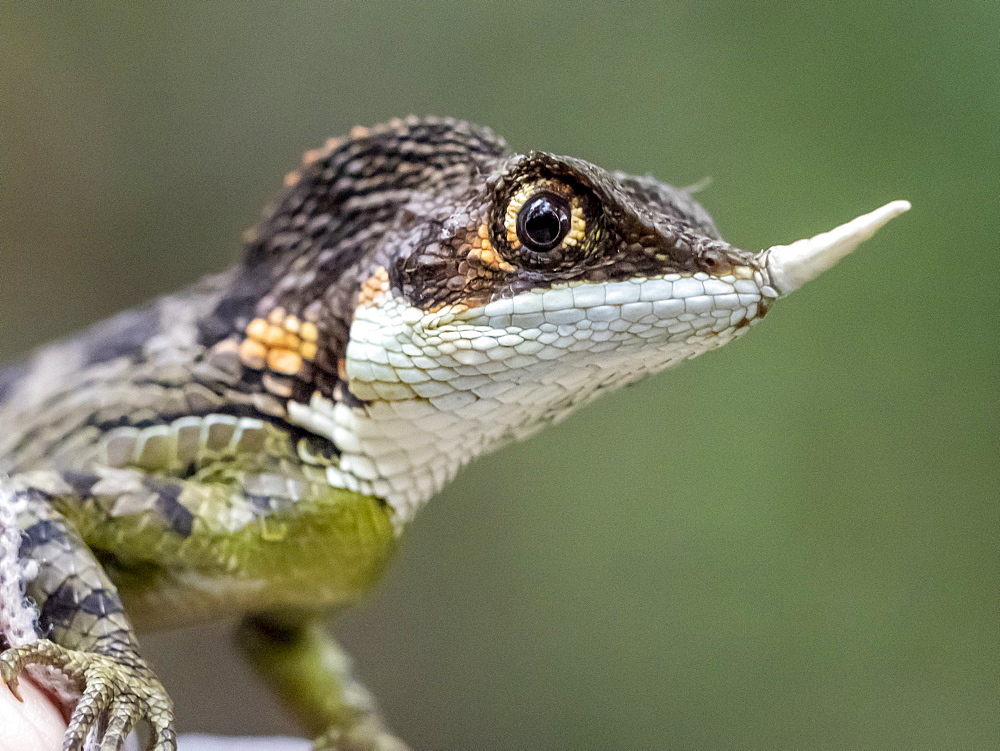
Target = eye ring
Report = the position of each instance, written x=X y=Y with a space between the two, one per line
x=544 y=221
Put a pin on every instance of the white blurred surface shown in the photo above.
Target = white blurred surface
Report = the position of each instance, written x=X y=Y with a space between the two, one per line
x=222 y=743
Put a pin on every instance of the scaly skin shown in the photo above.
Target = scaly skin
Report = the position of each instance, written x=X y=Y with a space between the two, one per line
x=417 y=296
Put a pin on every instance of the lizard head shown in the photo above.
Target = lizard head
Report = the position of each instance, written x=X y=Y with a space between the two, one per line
x=502 y=291
x=550 y=264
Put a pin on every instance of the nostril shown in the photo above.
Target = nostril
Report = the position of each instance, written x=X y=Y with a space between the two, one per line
x=713 y=261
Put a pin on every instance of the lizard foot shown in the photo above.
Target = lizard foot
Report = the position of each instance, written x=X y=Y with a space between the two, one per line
x=116 y=694
x=362 y=736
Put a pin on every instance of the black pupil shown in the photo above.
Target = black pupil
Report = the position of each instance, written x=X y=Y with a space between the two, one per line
x=543 y=222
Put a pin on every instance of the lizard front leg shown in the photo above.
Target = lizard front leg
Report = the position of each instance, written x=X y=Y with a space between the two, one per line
x=312 y=676
x=240 y=533
x=87 y=635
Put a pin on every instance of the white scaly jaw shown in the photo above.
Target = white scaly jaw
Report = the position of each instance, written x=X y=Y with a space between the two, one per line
x=791 y=266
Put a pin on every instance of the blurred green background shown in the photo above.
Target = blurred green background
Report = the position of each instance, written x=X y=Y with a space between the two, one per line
x=790 y=543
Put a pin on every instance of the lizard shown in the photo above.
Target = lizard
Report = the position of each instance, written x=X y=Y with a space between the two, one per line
x=417 y=295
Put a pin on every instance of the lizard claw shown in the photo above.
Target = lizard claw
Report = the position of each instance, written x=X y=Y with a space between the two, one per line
x=116 y=694
x=9 y=676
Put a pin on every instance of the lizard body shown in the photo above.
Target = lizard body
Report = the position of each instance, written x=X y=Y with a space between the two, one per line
x=418 y=295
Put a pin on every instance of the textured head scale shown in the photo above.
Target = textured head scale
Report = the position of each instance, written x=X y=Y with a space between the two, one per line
x=465 y=296
x=614 y=227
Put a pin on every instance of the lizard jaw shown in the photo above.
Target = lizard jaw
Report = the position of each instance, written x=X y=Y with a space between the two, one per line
x=791 y=266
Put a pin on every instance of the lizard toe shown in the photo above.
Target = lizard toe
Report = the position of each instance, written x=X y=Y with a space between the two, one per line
x=14 y=660
x=122 y=716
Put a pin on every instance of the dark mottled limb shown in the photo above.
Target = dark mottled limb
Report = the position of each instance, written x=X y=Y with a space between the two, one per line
x=312 y=676
x=89 y=638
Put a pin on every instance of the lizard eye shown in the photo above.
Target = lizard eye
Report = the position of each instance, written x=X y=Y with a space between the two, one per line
x=543 y=222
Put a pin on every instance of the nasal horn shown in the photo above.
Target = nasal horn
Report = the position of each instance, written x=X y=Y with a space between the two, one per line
x=791 y=266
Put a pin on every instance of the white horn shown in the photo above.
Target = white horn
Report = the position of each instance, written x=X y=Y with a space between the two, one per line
x=791 y=266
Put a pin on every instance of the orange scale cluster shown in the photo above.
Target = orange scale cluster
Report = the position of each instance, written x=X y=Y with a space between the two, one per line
x=282 y=343
x=483 y=254
x=374 y=288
